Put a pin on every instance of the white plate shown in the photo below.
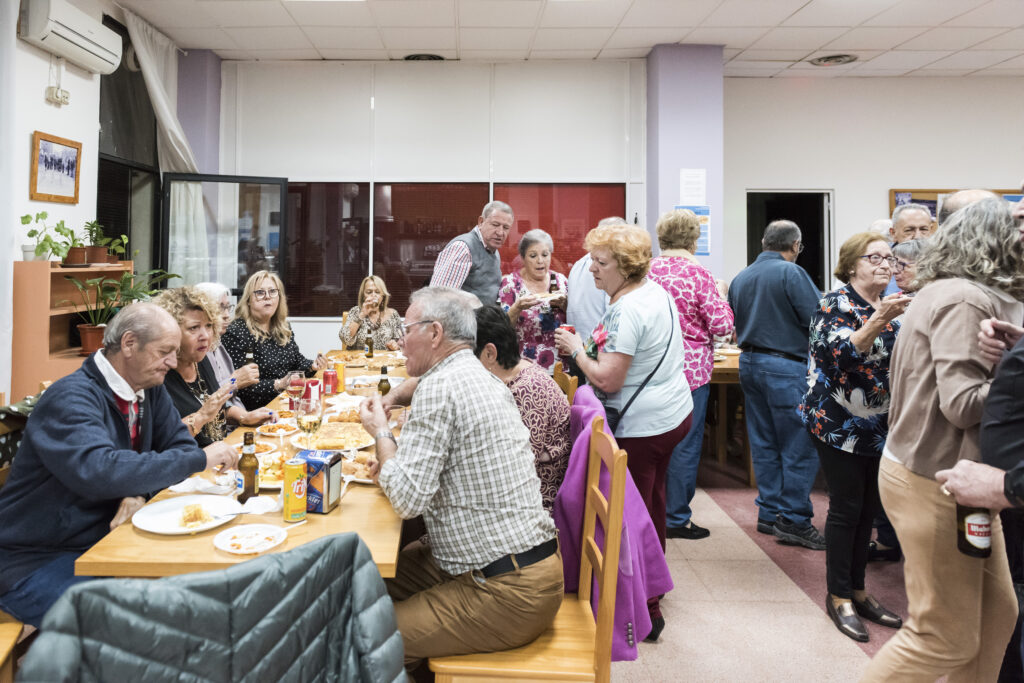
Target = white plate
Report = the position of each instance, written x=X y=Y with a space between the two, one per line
x=250 y=539
x=371 y=380
x=259 y=453
x=728 y=352
x=717 y=358
x=299 y=441
x=271 y=434
x=164 y=516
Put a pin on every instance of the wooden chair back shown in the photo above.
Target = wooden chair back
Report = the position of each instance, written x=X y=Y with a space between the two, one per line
x=604 y=563
x=567 y=383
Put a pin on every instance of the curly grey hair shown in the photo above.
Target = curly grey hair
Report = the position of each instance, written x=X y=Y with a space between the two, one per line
x=453 y=308
x=532 y=237
x=980 y=242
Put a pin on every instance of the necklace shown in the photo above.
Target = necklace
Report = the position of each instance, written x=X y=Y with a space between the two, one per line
x=214 y=429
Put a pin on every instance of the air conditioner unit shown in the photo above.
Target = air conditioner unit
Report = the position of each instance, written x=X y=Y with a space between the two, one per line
x=66 y=31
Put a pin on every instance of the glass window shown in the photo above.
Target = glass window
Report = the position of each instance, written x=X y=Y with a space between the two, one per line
x=566 y=211
x=412 y=224
x=127 y=121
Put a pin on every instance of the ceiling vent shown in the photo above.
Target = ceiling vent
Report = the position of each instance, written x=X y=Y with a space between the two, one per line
x=423 y=57
x=833 y=60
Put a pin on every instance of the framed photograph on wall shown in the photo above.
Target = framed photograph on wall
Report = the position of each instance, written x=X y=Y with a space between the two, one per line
x=56 y=168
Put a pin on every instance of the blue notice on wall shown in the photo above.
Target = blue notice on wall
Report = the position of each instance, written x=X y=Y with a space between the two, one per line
x=704 y=241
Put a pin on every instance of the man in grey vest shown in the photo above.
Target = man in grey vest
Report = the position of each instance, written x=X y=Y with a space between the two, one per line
x=471 y=262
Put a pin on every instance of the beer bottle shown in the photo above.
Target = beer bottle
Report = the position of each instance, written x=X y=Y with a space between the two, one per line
x=974 y=531
x=553 y=287
x=369 y=347
x=384 y=386
x=250 y=355
x=249 y=468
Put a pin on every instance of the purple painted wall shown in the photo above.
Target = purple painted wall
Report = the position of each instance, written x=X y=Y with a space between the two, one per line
x=199 y=106
x=685 y=130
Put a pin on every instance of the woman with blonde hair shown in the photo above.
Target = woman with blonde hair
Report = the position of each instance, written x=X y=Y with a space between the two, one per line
x=371 y=318
x=632 y=360
x=260 y=333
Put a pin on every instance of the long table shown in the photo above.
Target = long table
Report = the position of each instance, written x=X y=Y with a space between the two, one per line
x=130 y=552
x=727 y=372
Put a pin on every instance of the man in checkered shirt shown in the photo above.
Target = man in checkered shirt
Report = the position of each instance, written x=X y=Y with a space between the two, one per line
x=491 y=578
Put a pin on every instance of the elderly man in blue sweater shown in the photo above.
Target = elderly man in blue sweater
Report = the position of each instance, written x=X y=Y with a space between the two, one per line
x=98 y=443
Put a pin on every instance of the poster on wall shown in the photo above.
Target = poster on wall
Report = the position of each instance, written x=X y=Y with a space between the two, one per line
x=704 y=241
x=56 y=169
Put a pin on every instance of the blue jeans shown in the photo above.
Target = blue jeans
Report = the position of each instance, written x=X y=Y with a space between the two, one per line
x=681 y=482
x=782 y=452
x=30 y=599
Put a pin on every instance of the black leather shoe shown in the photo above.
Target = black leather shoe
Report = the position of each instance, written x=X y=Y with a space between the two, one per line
x=691 y=532
x=871 y=610
x=790 y=534
x=876 y=554
x=657 y=626
x=846 y=620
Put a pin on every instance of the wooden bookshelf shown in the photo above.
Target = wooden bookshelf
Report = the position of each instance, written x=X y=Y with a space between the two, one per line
x=43 y=317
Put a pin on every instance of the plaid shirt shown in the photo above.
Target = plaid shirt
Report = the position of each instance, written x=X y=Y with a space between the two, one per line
x=453 y=264
x=465 y=464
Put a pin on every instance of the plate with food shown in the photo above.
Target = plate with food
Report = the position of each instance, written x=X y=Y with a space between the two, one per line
x=377 y=362
x=186 y=514
x=336 y=436
x=277 y=429
x=372 y=381
x=728 y=351
x=718 y=358
x=262 y=448
x=350 y=415
x=250 y=539
x=285 y=414
x=272 y=470
x=357 y=463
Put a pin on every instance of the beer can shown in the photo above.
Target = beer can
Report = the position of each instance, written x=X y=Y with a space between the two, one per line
x=330 y=382
x=293 y=490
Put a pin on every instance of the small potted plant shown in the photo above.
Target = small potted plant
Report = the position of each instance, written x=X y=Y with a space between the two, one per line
x=96 y=251
x=71 y=247
x=117 y=246
x=39 y=232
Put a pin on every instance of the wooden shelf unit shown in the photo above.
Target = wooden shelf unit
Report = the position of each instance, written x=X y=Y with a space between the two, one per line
x=43 y=310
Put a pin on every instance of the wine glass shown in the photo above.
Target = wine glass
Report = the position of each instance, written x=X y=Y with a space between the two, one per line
x=296 y=387
x=310 y=413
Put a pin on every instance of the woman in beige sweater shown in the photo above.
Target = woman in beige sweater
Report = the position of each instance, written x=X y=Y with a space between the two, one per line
x=962 y=610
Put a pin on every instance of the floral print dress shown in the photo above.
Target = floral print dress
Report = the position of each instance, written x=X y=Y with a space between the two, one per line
x=536 y=326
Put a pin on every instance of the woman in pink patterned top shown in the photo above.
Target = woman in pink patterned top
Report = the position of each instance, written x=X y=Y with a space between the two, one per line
x=703 y=312
x=534 y=299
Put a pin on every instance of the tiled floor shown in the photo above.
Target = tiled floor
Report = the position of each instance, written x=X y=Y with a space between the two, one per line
x=735 y=615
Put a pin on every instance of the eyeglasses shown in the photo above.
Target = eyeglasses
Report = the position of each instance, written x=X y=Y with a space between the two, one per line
x=405 y=328
x=266 y=293
x=226 y=308
x=800 y=249
x=900 y=266
x=876 y=259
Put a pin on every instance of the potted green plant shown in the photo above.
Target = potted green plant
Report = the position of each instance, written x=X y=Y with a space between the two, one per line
x=96 y=251
x=40 y=233
x=70 y=247
x=103 y=296
x=117 y=247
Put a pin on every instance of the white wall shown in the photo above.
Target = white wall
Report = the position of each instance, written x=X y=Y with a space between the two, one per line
x=862 y=137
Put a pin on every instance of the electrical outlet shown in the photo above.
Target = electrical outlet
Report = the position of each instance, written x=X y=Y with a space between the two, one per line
x=57 y=95
x=65 y=97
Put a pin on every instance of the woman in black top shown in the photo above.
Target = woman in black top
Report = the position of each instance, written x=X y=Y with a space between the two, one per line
x=193 y=384
x=261 y=329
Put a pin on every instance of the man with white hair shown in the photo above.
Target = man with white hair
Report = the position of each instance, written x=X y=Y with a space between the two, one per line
x=471 y=262
x=466 y=466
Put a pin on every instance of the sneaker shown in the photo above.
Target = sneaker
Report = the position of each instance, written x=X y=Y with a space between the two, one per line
x=766 y=526
x=689 y=532
x=807 y=536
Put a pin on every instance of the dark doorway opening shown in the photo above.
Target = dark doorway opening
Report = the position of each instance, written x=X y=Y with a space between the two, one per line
x=811 y=211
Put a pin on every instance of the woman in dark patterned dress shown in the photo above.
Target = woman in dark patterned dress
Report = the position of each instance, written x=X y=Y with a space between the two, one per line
x=542 y=405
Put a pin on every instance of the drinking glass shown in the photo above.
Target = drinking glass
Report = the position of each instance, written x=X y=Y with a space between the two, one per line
x=296 y=386
x=310 y=414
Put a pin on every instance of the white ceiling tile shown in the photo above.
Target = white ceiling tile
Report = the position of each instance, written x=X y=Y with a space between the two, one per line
x=1000 y=72
x=353 y=54
x=285 y=55
x=737 y=38
x=201 y=38
x=947 y=73
x=590 y=13
x=430 y=39
x=278 y=38
x=923 y=12
x=645 y=37
x=492 y=55
x=495 y=39
x=499 y=13
x=171 y=14
x=350 y=14
x=414 y=12
x=876 y=73
x=562 y=54
x=1010 y=40
x=1015 y=63
x=668 y=12
x=752 y=65
x=998 y=13
x=234 y=55
x=974 y=59
x=904 y=59
x=729 y=53
x=837 y=12
x=807 y=73
x=740 y=72
x=248 y=13
x=950 y=38
x=339 y=37
x=774 y=55
x=571 y=38
x=752 y=12
x=624 y=53
x=874 y=38
x=792 y=38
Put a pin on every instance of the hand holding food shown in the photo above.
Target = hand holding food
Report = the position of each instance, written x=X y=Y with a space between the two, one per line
x=220 y=456
x=524 y=302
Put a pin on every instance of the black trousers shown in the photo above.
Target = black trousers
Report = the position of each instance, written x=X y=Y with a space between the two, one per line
x=852 y=504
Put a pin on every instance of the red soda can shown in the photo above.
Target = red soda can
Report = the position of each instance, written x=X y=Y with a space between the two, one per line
x=568 y=328
x=330 y=382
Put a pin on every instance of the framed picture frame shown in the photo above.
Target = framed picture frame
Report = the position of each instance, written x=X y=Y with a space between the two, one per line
x=931 y=198
x=56 y=169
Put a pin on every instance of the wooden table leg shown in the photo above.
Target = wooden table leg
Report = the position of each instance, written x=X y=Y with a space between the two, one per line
x=721 y=428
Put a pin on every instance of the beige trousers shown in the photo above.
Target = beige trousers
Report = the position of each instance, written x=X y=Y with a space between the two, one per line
x=962 y=610
x=439 y=614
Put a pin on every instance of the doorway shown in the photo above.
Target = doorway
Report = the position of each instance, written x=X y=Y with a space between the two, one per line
x=812 y=211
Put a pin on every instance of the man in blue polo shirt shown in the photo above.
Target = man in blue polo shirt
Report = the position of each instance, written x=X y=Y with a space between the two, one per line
x=773 y=300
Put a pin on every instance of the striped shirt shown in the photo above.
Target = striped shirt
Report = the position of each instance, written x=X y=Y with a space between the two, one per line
x=464 y=462
x=453 y=264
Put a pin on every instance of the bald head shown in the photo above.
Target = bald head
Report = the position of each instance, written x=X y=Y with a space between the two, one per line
x=959 y=200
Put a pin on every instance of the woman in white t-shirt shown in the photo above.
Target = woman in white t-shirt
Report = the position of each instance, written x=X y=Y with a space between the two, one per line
x=638 y=338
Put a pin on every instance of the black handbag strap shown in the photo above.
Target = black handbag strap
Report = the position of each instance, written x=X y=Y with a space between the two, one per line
x=671 y=331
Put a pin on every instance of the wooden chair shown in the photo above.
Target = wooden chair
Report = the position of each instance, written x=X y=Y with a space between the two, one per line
x=574 y=648
x=567 y=383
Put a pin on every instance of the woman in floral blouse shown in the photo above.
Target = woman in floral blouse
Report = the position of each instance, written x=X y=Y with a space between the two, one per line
x=534 y=299
x=371 y=318
x=846 y=410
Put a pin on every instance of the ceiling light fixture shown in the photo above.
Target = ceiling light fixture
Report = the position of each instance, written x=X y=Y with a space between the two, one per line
x=423 y=57
x=833 y=60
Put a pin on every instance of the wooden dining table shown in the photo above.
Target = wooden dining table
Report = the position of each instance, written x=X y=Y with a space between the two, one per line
x=130 y=552
x=727 y=372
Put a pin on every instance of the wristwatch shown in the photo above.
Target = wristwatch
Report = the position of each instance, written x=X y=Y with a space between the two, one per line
x=575 y=353
x=385 y=434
